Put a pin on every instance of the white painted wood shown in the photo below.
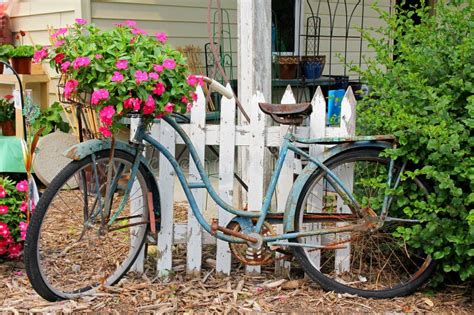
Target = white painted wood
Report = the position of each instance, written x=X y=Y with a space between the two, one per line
x=198 y=138
x=284 y=184
x=317 y=129
x=226 y=177
x=256 y=160
x=346 y=174
x=181 y=233
x=166 y=184
x=136 y=206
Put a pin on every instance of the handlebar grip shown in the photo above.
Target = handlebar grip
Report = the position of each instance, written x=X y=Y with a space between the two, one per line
x=216 y=86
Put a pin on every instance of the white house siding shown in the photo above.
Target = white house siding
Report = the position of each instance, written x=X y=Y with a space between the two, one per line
x=185 y=21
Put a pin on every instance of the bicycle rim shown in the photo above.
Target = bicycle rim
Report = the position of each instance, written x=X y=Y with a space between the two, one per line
x=369 y=263
x=74 y=253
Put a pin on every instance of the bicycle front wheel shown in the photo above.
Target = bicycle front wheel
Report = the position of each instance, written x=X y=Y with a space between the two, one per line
x=69 y=250
x=375 y=263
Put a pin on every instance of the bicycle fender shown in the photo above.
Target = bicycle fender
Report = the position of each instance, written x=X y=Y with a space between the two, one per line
x=296 y=189
x=81 y=150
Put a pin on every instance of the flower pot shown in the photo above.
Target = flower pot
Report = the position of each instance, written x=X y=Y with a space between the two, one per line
x=8 y=128
x=22 y=65
x=313 y=66
x=288 y=67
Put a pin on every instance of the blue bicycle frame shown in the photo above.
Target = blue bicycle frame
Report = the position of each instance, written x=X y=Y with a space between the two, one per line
x=288 y=144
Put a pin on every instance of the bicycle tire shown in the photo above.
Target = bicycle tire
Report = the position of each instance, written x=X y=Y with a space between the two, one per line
x=31 y=253
x=333 y=282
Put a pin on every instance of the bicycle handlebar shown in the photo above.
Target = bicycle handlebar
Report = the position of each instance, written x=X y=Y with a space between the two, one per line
x=216 y=86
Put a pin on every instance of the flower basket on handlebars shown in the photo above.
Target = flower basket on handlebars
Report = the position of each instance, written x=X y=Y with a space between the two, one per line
x=118 y=72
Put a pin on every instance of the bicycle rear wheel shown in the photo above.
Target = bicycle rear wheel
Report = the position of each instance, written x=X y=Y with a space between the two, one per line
x=371 y=263
x=67 y=251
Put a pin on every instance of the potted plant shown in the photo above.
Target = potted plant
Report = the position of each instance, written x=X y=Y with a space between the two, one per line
x=288 y=67
x=312 y=66
x=5 y=52
x=7 y=115
x=141 y=74
x=21 y=58
x=51 y=120
x=13 y=223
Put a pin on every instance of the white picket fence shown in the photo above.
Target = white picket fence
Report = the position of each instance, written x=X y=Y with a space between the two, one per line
x=228 y=136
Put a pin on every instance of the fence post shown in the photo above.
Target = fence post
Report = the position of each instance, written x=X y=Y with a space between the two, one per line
x=282 y=267
x=198 y=138
x=256 y=160
x=226 y=177
x=346 y=174
x=166 y=184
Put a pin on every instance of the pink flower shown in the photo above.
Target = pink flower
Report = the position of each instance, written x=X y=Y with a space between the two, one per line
x=80 y=21
x=194 y=96
x=153 y=75
x=61 y=31
x=189 y=106
x=98 y=56
x=59 y=43
x=194 y=80
x=159 y=89
x=107 y=115
x=131 y=23
x=4 y=230
x=122 y=64
x=3 y=246
x=138 y=31
x=3 y=192
x=141 y=76
x=159 y=115
x=59 y=58
x=184 y=99
x=81 y=62
x=117 y=77
x=40 y=55
x=99 y=95
x=105 y=131
x=3 y=209
x=158 y=68
x=23 y=185
x=134 y=103
x=65 y=66
x=169 y=64
x=161 y=37
x=23 y=226
x=149 y=105
x=132 y=41
x=169 y=107
x=15 y=250
x=24 y=206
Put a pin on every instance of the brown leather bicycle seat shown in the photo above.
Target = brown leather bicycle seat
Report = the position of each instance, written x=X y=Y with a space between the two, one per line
x=288 y=114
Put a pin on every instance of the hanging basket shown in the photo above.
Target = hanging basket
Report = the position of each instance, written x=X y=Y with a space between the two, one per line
x=82 y=98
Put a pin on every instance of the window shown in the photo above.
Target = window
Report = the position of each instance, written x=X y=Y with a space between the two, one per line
x=285 y=25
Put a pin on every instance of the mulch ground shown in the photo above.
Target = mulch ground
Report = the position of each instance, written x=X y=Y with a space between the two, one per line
x=210 y=293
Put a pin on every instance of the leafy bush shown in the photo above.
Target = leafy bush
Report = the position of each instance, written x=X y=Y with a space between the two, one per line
x=424 y=96
x=51 y=119
x=5 y=52
x=13 y=209
x=23 y=51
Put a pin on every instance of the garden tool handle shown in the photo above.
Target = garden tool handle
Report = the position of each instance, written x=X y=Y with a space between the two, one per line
x=216 y=86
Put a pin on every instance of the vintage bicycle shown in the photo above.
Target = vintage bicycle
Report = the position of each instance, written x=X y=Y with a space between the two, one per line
x=92 y=222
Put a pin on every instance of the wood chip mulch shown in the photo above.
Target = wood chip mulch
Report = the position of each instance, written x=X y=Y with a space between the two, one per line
x=211 y=293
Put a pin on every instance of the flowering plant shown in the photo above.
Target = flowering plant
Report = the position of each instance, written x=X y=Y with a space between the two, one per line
x=7 y=110
x=124 y=69
x=13 y=208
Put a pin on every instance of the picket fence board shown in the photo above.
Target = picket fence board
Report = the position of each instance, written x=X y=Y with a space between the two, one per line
x=226 y=177
x=254 y=137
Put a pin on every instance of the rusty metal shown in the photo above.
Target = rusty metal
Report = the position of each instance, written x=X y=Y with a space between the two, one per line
x=237 y=234
x=214 y=226
x=288 y=114
x=314 y=217
x=151 y=213
x=249 y=255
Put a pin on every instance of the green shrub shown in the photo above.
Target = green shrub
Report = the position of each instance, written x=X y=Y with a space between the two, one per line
x=424 y=96
x=23 y=51
x=51 y=120
x=5 y=52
